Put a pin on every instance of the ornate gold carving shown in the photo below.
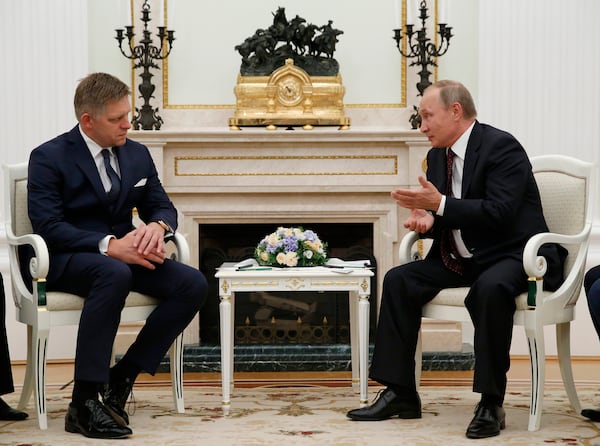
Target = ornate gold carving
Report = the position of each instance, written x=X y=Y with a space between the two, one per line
x=244 y=283
x=294 y=283
x=364 y=285
x=333 y=282
x=289 y=97
x=225 y=287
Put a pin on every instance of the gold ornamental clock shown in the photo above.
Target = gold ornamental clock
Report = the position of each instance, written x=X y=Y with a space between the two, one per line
x=289 y=91
x=289 y=97
x=289 y=76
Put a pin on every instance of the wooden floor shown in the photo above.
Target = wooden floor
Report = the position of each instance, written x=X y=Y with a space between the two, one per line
x=586 y=372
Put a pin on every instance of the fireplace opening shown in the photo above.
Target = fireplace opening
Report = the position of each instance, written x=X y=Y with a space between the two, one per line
x=281 y=318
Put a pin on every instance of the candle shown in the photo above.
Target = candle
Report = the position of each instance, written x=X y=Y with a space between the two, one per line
x=397 y=14
x=161 y=13
x=442 y=11
x=128 y=19
x=409 y=12
x=170 y=12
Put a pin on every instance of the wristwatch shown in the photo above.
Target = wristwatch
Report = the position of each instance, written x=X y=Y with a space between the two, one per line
x=165 y=226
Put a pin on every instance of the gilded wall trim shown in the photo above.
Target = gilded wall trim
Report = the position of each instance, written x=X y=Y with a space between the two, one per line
x=267 y=165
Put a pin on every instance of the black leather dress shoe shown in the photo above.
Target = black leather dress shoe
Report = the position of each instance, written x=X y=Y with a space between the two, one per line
x=389 y=405
x=489 y=419
x=592 y=414
x=94 y=421
x=115 y=399
x=7 y=413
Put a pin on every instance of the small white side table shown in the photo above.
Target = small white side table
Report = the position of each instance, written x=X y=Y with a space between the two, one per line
x=355 y=281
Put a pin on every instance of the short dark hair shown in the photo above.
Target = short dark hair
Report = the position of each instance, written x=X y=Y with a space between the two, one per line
x=95 y=91
x=454 y=91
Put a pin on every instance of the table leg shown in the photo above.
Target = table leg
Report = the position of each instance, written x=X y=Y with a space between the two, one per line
x=363 y=336
x=231 y=341
x=354 y=340
x=225 y=311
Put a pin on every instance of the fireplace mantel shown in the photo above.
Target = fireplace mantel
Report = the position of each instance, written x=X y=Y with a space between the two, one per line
x=262 y=176
x=208 y=159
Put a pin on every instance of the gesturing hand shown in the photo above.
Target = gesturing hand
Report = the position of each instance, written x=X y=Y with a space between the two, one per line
x=427 y=197
x=419 y=220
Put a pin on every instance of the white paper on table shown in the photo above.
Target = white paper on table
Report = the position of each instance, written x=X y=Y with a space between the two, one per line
x=335 y=262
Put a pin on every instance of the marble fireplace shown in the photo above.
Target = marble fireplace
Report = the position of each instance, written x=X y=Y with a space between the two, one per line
x=218 y=177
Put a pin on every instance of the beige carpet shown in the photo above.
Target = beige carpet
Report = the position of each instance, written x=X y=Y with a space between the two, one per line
x=311 y=415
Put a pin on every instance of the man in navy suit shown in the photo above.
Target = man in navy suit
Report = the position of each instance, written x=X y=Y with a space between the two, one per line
x=480 y=204
x=82 y=188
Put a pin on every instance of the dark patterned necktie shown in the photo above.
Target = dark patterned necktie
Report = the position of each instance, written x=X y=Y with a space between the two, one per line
x=450 y=256
x=115 y=181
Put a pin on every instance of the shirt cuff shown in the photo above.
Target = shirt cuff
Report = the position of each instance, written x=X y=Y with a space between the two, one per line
x=440 y=210
x=103 y=244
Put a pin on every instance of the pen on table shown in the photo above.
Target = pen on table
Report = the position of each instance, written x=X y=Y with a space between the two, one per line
x=334 y=266
x=253 y=268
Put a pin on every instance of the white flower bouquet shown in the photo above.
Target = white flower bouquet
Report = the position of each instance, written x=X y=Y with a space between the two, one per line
x=291 y=247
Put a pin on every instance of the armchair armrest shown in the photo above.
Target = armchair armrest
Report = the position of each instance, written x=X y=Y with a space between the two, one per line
x=40 y=262
x=406 y=253
x=182 y=253
x=536 y=266
x=38 y=265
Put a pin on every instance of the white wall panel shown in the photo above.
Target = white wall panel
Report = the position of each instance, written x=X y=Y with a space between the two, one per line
x=539 y=78
x=44 y=46
x=45 y=49
x=538 y=73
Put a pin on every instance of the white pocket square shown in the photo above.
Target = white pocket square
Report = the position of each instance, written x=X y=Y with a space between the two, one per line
x=141 y=183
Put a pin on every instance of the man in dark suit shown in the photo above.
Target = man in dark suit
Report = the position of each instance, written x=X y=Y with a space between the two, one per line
x=82 y=188
x=480 y=204
x=7 y=413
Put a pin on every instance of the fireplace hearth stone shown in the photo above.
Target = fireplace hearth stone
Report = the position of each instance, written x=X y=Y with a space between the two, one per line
x=292 y=358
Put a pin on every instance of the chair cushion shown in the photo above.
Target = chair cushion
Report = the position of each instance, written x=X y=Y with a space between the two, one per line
x=58 y=301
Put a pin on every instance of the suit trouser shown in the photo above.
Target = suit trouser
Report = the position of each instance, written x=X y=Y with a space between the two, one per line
x=105 y=283
x=6 y=379
x=591 y=285
x=491 y=305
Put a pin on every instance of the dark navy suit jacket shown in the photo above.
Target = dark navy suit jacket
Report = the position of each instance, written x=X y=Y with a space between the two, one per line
x=67 y=203
x=500 y=207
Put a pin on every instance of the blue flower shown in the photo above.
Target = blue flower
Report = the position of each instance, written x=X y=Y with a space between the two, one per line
x=290 y=244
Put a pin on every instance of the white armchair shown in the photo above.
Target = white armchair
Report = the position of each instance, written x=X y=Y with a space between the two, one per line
x=42 y=310
x=565 y=185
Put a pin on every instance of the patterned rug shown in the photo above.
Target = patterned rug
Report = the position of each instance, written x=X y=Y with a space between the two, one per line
x=311 y=415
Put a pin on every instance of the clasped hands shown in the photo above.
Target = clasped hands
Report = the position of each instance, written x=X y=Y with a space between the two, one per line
x=419 y=201
x=143 y=246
